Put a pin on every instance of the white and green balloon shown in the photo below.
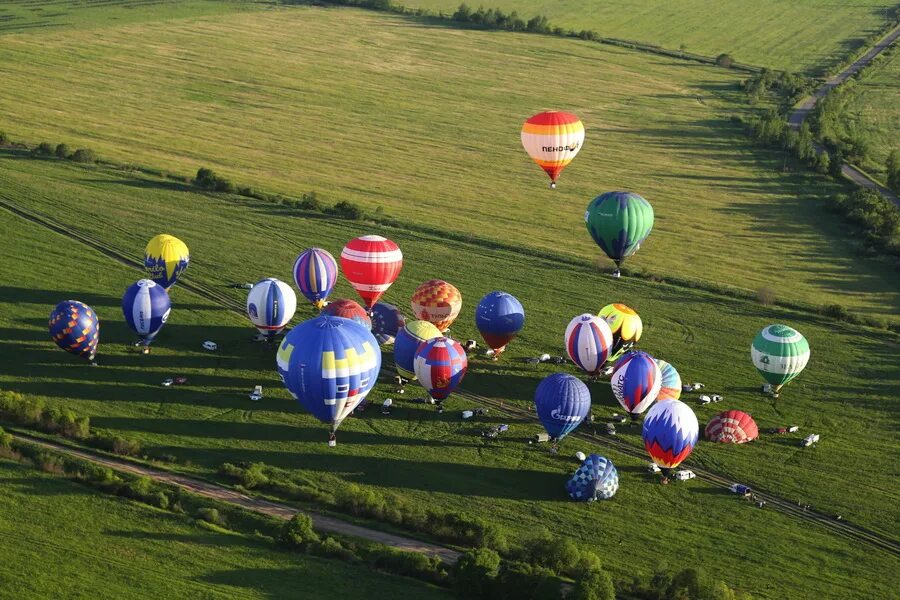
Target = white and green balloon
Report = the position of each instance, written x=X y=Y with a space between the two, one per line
x=779 y=353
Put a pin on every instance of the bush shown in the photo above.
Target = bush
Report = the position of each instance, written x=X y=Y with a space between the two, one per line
x=835 y=167
x=250 y=477
x=332 y=548
x=210 y=515
x=139 y=488
x=823 y=163
x=309 y=201
x=117 y=444
x=527 y=582
x=766 y=296
x=298 y=532
x=475 y=572
x=724 y=60
x=347 y=210
x=594 y=585
x=4 y=139
x=62 y=151
x=208 y=180
x=84 y=155
x=6 y=439
x=43 y=149
x=835 y=311
x=892 y=166
x=160 y=500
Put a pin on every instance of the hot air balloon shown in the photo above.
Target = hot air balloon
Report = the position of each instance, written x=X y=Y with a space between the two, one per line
x=670 y=388
x=552 y=139
x=562 y=402
x=146 y=308
x=75 y=328
x=348 y=309
x=371 y=263
x=499 y=318
x=387 y=320
x=329 y=365
x=407 y=342
x=440 y=366
x=165 y=259
x=619 y=222
x=437 y=302
x=635 y=382
x=315 y=273
x=780 y=353
x=595 y=479
x=588 y=341
x=670 y=433
x=270 y=305
x=732 y=427
x=626 y=327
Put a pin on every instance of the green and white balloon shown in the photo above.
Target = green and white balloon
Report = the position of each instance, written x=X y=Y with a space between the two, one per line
x=780 y=353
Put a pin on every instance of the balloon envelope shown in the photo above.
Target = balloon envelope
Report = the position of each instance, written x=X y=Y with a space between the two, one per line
x=626 y=327
x=499 y=318
x=315 y=273
x=407 y=343
x=732 y=427
x=562 y=402
x=595 y=479
x=670 y=433
x=271 y=304
x=371 y=263
x=588 y=341
x=75 y=328
x=437 y=302
x=146 y=308
x=779 y=353
x=387 y=320
x=348 y=309
x=635 y=381
x=329 y=365
x=619 y=222
x=552 y=139
x=440 y=366
x=670 y=388
x=165 y=259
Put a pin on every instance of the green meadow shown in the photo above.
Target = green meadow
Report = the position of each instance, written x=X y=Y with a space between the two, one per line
x=61 y=539
x=847 y=394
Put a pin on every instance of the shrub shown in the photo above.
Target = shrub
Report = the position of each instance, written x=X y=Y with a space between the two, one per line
x=210 y=515
x=4 y=139
x=594 y=585
x=823 y=163
x=836 y=165
x=309 y=201
x=332 y=548
x=525 y=581
x=892 y=166
x=766 y=296
x=139 y=488
x=84 y=155
x=159 y=499
x=50 y=463
x=475 y=572
x=119 y=445
x=5 y=439
x=43 y=149
x=347 y=210
x=298 y=532
x=62 y=151
x=208 y=180
x=835 y=311
x=724 y=60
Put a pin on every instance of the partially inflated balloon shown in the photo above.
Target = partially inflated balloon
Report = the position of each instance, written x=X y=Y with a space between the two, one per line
x=165 y=259
x=437 y=302
x=271 y=304
x=329 y=365
x=348 y=309
x=440 y=366
x=315 y=273
x=619 y=222
x=146 y=308
x=595 y=479
x=75 y=328
x=562 y=402
x=552 y=139
x=588 y=342
x=387 y=320
x=670 y=388
x=732 y=427
x=670 y=433
x=626 y=327
x=779 y=353
x=407 y=342
x=371 y=264
x=635 y=382
x=499 y=318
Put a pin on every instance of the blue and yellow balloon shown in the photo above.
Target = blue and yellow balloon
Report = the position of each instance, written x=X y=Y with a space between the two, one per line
x=165 y=259
x=75 y=328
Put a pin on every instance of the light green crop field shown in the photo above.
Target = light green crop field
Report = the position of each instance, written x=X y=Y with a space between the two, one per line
x=423 y=123
x=847 y=394
x=872 y=110
x=63 y=540
x=799 y=36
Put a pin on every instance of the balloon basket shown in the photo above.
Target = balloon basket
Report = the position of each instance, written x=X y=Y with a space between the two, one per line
x=552 y=185
x=145 y=350
x=616 y=274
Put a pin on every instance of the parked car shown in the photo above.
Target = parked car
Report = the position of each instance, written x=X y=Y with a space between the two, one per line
x=619 y=418
x=211 y=346
x=684 y=474
x=257 y=394
x=810 y=440
x=167 y=382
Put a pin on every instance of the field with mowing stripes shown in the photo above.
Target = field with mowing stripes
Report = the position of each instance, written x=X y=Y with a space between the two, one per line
x=60 y=539
x=846 y=394
x=418 y=123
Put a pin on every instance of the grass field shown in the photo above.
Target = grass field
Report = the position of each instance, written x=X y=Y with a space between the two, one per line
x=847 y=394
x=61 y=539
x=418 y=122
x=799 y=36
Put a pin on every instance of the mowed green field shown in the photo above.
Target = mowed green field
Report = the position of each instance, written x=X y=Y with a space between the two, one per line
x=847 y=394
x=423 y=123
x=60 y=539
x=800 y=36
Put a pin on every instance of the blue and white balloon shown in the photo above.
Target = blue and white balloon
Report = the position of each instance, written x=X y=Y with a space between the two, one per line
x=562 y=402
x=271 y=305
x=595 y=479
x=146 y=307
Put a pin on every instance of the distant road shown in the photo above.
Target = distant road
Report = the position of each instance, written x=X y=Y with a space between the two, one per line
x=231 y=496
x=808 y=104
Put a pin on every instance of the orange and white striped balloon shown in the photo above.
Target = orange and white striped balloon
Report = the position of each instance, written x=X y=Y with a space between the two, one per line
x=552 y=139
